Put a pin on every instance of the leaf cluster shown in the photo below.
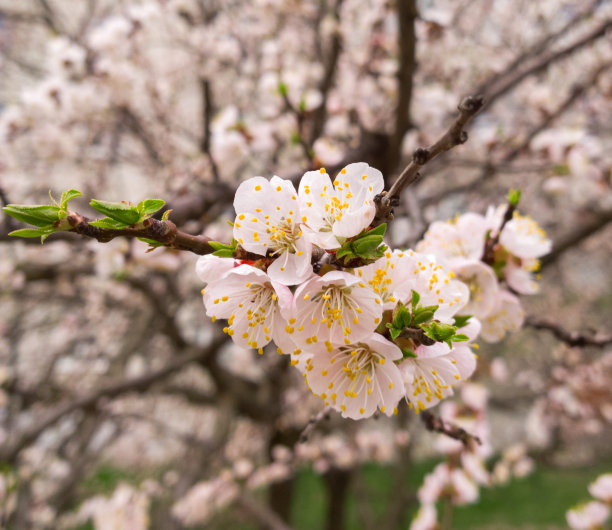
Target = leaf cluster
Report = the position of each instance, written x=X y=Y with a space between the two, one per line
x=367 y=246
x=421 y=317
x=222 y=250
x=47 y=218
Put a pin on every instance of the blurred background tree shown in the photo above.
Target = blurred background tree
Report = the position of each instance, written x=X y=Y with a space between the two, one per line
x=122 y=405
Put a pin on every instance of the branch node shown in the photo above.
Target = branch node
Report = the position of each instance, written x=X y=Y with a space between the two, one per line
x=421 y=156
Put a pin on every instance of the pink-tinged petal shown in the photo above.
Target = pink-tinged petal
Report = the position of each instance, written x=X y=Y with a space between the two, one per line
x=313 y=192
x=386 y=348
x=285 y=297
x=361 y=175
x=293 y=268
x=524 y=238
x=250 y=232
x=210 y=268
x=471 y=329
x=251 y=194
x=482 y=284
x=356 y=379
x=353 y=223
x=465 y=360
x=508 y=315
x=520 y=280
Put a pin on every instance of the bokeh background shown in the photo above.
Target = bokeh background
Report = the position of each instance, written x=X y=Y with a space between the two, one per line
x=123 y=406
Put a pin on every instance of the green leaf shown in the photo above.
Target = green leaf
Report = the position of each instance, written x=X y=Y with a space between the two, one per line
x=68 y=196
x=165 y=215
x=108 y=223
x=378 y=231
x=462 y=321
x=514 y=196
x=401 y=317
x=438 y=331
x=395 y=333
x=118 y=211
x=366 y=244
x=41 y=215
x=151 y=242
x=43 y=232
x=416 y=297
x=460 y=338
x=220 y=246
x=283 y=89
x=344 y=252
x=422 y=317
x=406 y=353
x=224 y=253
x=150 y=206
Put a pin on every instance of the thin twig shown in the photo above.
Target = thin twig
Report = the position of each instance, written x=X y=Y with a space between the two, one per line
x=207 y=111
x=571 y=338
x=436 y=424
x=266 y=517
x=11 y=449
x=313 y=422
x=561 y=245
x=455 y=135
x=164 y=232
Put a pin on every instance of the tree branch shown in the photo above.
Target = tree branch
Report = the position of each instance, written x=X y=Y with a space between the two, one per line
x=436 y=424
x=455 y=135
x=506 y=84
x=576 y=237
x=164 y=232
x=571 y=338
x=11 y=449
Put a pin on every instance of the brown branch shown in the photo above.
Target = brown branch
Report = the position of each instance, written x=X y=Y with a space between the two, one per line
x=576 y=237
x=266 y=517
x=207 y=112
x=507 y=84
x=313 y=422
x=571 y=338
x=134 y=124
x=436 y=424
x=11 y=449
x=455 y=135
x=319 y=114
x=539 y=47
x=407 y=13
x=490 y=246
x=164 y=232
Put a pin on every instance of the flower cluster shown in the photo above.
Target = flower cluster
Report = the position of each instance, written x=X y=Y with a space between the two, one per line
x=484 y=251
x=365 y=325
x=595 y=513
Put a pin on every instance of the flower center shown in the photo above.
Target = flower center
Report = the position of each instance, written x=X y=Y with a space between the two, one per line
x=284 y=236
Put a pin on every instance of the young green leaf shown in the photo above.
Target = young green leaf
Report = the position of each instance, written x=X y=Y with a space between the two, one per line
x=408 y=354
x=150 y=206
x=422 y=316
x=416 y=297
x=42 y=232
x=68 y=196
x=108 y=223
x=224 y=253
x=461 y=321
x=378 y=231
x=41 y=215
x=151 y=242
x=118 y=211
x=514 y=196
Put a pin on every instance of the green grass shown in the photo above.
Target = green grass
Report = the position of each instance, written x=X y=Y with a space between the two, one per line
x=536 y=502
